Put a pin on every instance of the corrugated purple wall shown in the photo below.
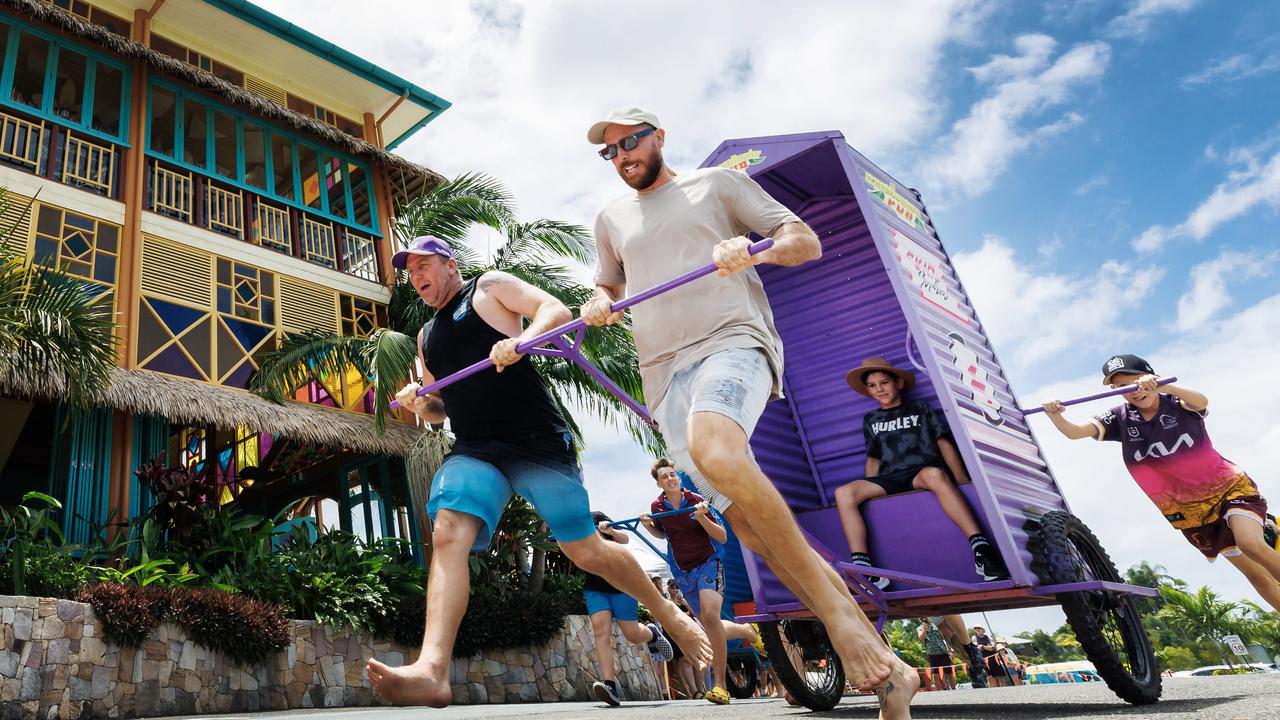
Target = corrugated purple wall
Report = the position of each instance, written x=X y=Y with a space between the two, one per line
x=881 y=288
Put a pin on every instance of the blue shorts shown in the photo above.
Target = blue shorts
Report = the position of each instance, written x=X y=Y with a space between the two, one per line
x=479 y=477
x=707 y=576
x=622 y=605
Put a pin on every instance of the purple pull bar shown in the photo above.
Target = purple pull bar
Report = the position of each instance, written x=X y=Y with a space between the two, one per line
x=568 y=350
x=1099 y=396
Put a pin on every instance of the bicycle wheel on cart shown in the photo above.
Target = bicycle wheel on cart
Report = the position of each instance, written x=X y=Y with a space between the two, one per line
x=805 y=662
x=1107 y=624
x=740 y=675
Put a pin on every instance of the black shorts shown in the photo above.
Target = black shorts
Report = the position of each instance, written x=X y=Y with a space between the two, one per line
x=900 y=481
x=939 y=660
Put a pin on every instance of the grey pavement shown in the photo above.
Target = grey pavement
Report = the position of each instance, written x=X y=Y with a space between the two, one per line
x=1254 y=697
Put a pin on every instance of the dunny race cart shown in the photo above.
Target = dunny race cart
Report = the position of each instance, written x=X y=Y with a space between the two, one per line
x=885 y=287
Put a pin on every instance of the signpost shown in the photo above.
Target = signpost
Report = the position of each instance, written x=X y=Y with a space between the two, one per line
x=1236 y=645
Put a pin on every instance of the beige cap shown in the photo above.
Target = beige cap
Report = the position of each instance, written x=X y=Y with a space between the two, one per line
x=629 y=115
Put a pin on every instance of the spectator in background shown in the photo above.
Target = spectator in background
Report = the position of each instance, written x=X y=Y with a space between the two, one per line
x=937 y=652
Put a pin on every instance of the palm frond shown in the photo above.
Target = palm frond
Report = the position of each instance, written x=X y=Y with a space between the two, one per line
x=450 y=209
x=302 y=357
x=392 y=356
x=543 y=240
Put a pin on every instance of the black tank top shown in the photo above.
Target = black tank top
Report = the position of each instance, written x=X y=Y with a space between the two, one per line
x=513 y=405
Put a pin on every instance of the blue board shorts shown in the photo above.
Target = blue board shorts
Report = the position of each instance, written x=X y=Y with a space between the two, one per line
x=478 y=478
x=622 y=605
x=735 y=383
x=707 y=576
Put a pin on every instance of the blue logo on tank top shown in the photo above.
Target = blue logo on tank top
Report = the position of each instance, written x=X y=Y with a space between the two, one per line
x=461 y=312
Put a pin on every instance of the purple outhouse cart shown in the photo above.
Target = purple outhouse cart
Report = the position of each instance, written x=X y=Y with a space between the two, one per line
x=885 y=287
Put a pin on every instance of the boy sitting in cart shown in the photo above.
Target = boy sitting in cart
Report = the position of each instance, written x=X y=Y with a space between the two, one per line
x=909 y=447
x=1168 y=452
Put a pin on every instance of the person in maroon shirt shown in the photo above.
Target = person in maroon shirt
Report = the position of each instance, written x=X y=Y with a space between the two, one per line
x=697 y=567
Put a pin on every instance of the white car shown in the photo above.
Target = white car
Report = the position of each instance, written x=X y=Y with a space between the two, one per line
x=1208 y=670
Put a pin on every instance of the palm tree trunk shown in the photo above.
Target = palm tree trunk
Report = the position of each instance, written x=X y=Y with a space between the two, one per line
x=539 y=572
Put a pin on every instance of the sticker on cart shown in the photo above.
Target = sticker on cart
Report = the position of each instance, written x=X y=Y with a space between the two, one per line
x=743 y=160
x=974 y=378
x=928 y=276
x=888 y=194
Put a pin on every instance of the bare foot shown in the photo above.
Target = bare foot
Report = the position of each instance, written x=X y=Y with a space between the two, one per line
x=867 y=661
x=416 y=684
x=688 y=634
x=896 y=692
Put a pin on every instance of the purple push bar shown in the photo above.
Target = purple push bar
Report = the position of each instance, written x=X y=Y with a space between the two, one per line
x=1099 y=396
x=570 y=351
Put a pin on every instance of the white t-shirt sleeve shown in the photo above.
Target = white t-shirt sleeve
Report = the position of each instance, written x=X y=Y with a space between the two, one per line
x=608 y=263
x=755 y=209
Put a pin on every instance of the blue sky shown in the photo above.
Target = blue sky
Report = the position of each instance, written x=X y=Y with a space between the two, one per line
x=1105 y=174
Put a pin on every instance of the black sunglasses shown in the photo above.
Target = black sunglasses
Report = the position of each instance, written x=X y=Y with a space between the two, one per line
x=628 y=143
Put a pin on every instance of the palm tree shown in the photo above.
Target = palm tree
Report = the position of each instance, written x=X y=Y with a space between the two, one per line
x=1201 y=615
x=55 y=339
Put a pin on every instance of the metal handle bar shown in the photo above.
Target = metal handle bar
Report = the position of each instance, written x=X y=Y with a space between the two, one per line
x=580 y=324
x=1099 y=396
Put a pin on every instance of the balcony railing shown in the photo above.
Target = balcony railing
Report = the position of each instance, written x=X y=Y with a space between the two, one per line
x=57 y=153
x=211 y=204
x=90 y=165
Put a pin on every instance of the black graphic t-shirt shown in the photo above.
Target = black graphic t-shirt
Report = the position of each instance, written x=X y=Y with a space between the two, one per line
x=904 y=437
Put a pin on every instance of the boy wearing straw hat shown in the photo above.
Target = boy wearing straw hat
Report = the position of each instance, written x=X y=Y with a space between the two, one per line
x=1168 y=452
x=909 y=447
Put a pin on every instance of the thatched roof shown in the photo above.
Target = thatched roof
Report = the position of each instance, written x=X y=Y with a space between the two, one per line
x=233 y=94
x=188 y=401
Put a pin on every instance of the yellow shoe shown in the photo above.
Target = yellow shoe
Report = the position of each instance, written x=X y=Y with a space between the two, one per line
x=718 y=696
x=758 y=645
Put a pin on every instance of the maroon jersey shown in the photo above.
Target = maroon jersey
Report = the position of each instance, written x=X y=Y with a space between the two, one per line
x=690 y=544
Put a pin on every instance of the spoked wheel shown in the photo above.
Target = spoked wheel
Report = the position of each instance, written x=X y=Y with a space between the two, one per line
x=741 y=676
x=1108 y=625
x=805 y=662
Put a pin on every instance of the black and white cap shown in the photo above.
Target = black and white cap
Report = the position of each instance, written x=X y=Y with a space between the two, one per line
x=1127 y=364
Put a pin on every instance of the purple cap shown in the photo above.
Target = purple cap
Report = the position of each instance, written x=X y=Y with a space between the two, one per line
x=422 y=245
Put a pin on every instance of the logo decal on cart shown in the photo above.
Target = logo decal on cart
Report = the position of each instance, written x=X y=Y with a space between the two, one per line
x=974 y=378
x=743 y=160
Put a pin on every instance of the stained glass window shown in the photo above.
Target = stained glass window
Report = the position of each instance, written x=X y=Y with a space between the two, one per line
x=361 y=317
x=77 y=245
x=246 y=292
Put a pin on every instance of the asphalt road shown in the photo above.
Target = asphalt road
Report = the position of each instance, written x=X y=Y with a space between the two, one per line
x=1254 y=697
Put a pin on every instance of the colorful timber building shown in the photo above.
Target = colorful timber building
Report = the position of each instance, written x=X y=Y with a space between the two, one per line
x=221 y=178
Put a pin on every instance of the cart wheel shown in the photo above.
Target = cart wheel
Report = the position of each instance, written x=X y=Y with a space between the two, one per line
x=740 y=675
x=805 y=662
x=1108 y=625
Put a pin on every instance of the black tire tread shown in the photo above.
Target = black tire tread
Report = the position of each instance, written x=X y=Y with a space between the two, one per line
x=1053 y=562
x=790 y=676
x=745 y=691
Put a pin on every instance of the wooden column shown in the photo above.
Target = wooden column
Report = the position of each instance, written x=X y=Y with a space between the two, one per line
x=129 y=271
x=386 y=246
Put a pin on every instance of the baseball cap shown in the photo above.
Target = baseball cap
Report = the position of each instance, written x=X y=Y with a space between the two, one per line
x=627 y=115
x=422 y=245
x=1127 y=364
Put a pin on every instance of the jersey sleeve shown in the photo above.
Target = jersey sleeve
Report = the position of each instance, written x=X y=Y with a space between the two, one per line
x=608 y=264
x=755 y=209
x=1107 y=424
x=872 y=440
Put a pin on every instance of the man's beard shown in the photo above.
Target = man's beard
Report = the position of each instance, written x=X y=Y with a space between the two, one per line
x=652 y=169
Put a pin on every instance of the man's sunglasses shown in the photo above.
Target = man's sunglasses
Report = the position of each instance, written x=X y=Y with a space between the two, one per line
x=628 y=143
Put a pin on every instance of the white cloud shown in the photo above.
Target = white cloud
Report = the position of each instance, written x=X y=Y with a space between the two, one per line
x=1257 y=183
x=1208 y=292
x=1004 y=123
x=1136 y=22
x=527 y=78
x=1039 y=315
x=1094 y=183
x=1233 y=69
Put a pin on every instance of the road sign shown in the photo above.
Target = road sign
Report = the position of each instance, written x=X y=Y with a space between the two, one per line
x=1236 y=645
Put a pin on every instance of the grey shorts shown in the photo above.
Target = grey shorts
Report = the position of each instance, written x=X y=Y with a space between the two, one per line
x=735 y=383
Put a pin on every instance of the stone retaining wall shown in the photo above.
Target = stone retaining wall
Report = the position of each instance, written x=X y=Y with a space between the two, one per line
x=54 y=663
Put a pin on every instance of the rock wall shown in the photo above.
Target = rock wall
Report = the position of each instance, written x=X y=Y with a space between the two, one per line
x=54 y=663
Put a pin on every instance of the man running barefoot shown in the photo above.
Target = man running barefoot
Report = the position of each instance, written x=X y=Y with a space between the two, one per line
x=510 y=437
x=710 y=359
x=697 y=567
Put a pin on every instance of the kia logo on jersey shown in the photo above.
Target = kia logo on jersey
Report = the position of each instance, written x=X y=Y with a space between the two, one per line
x=1158 y=450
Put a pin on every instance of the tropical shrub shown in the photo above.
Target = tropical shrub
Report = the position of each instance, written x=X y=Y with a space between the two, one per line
x=513 y=619
x=247 y=630
x=128 y=613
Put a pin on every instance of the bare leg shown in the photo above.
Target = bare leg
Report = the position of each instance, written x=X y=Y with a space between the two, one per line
x=955 y=633
x=611 y=562
x=848 y=499
x=426 y=682
x=1258 y=574
x=602 y=628
x=634 y=632
x=953 y=503
x=710 y=603
x=738 y=631
x=718 y=447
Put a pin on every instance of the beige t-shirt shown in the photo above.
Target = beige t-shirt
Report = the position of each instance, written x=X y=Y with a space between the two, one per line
x=643 y=239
